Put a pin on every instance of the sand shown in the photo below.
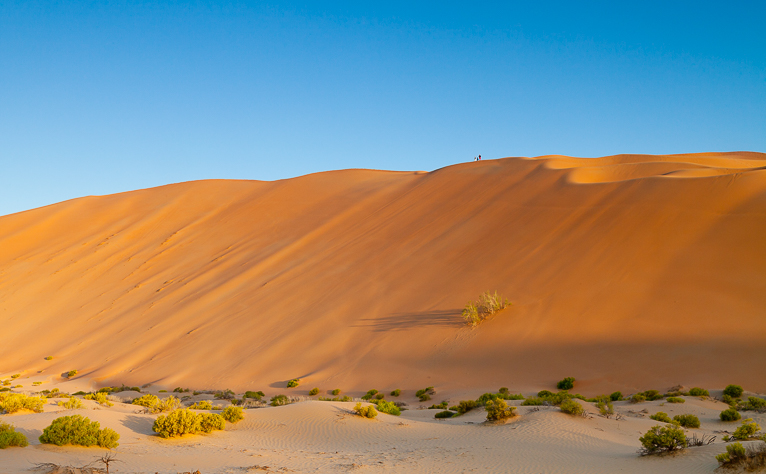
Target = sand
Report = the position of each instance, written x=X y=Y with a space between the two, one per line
x=627 y=272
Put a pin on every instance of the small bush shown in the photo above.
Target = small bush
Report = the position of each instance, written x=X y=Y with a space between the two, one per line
x=661 y=416
x=605 y=407
x=465 y=406
x=487 y=305
x=687 y=420
x=225 y=394
x=369 y=394
x=99 y=397
x=445 y=414
x=734 y=391
x=71 y=404
x=425 y=394
x=71 y=374
x=442 y=406
x=336 y=392
x=49 y=358
x=749 y=459
x=15 y=376
x=662 y=439
x=293 y=383
x=616 y=396
x=10 y=437
x=14 y=402
x=571 y=407
x=699 y=392
x=232 y=414
x=177 y=423
x=314 y=391
x=675 y=400
x=389 y=407
x=637 y=398
x=80 y=431
x=180 y=390
x=498 y=410
x=367 y=411
x=279 y=400
x=730 y=414
x=380 y=396
x=652 y=395
x=202 y=405
x=735 y=452
x=396 y=393
x=755 y=403
x=566 y=384
x=254 y=395
x=533 y=401
x=747 y=430
x=210 y=422
x=155 y=405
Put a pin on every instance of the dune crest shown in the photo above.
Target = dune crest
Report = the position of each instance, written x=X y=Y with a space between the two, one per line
x=356 y=278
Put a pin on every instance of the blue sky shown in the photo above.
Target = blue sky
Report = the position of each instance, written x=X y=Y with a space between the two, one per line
x=104 y=97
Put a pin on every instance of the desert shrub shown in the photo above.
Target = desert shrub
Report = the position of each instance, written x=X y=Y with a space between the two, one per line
x=498 y=410
x=49 y=358
x=99 y=397
x=503 y=390
x=661 y=416
x=254 y=395
x=163 y=391
x=71 y=404
x=155 y=405
x=675 y=400
x=605 y=407
x=336 y=392
x=637 y=398
x=180 y=390
x=730 y=414
x=390 y=408
x=545 y=394
x=177 y=423
x=754 y=403
x=699 y=392
x=279 y=400
x=616 y=396
x=445 y=414
x=441 y=406
x=10 y=437
x=735 y=452
x=572 y=407
x=369 y=394
x=147 y=400
x=15 y=376
x=465 y=406
x=314 y=391
x=734 y=391
x=14 y=402
x=293 y=383
x=380 y=396
x=747 y=430
x=687 y=420
x=487 y=305
x=80 y=431
x=367 y=411
x=344 y=398
x=232 y=414
x=662 y=439
x=425 y=394
x=652 y=395
x=749 y=459
x=70 y=374
x=501 y=396
x=210 y=422
x=225 y=394
x=566 y=384
x=534 y=401
x=202 y=405
x=396 y=393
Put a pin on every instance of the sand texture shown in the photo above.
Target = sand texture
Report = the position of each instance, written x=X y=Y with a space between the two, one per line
x=627 y=272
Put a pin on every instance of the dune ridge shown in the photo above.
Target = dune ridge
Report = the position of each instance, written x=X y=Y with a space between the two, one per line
x=627 y=272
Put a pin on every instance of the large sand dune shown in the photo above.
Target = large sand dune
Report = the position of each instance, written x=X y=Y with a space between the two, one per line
x=626 y=272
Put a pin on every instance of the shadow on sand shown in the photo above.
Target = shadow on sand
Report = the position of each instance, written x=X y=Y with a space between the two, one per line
x=449 y=318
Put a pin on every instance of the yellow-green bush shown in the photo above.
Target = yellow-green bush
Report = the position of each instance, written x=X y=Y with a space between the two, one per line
x=487 y=305
x=211 y=422
x=183 y=422
x=14 y=402
x=80 y=431
x=662 y=439
x=661 y=416
x=314 y=391
x=71 y=404
x=202 y=405
x=367 y=411
x=730 y=414
x=155 y=405
x=687 y=420
x=232 y=414
x=746 y=430
x=498 y=409
x=10 y=437
x=389 y=407
x=572 y=407
x=99 y=397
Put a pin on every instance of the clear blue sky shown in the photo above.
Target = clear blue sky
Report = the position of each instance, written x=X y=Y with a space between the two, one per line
x=102 y=97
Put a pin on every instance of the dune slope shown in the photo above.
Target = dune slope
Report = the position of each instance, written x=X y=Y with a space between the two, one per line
x=625 y=272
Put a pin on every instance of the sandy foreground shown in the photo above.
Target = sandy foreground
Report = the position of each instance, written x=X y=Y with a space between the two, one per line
x=325 y=437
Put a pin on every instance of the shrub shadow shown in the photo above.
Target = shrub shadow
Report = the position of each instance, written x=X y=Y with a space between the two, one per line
x=139 y=424
x=400 y=321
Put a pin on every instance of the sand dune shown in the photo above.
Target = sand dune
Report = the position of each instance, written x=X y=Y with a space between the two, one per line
x=626 y=272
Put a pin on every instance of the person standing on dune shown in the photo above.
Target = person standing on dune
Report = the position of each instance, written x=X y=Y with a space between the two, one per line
x=479 y=158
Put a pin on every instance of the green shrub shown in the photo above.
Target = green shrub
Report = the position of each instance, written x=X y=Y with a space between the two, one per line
x=71 y=374
x=445 y=414
x=662 y=439
x=344 y=398
x=734 y=391
x=279 y=400
x=637 y=398
x=498 y=410
x=487 y=305
x=533 y=401
x=675 y=400
x=232 y=414
x=155 y=405
x=80 y=431
x=369 y=394
x=605 y=407
x=687 y=420
x=15 y=376
x=566 y=384
x=314 y=391
x=202 y=405
x=747 y=430
x=390 y=408
x=396 y=393
x=616 y=396
x=210 y=422
x=254 y=395
x=661 y=416
x=293 y=383
x=730 y=414
x=735 y=452
x=180 y=390
x=10 y=437
x=425 y=394
x=572 y=407
x=99 y=397
x=652 y=395
x=225 y=394
x=442 y=406
x=49 y=358
x=14 y=402
x=336 y=392
x=465 y=406
x=367 y=411
x=544 y=394
x=177 y=423
x=71 y=404
x=380 y=396
x=755 y=403
x=699 y=392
